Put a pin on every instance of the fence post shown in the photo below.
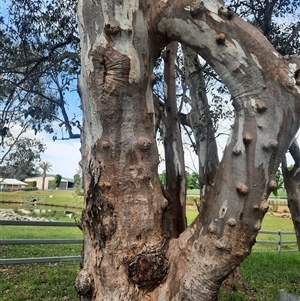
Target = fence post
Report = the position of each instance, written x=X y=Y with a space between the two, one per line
x=279 y=241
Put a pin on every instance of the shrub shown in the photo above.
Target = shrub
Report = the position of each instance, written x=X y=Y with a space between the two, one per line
x=31 y=184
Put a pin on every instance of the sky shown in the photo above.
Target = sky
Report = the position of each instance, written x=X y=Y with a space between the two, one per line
x=64 y=155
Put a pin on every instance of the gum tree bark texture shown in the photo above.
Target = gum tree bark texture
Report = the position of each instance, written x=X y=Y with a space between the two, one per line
x=128 y=253
x=292 y=186
x=200 y=121
x=175 y=191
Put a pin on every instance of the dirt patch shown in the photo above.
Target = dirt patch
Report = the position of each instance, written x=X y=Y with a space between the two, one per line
x=279 y=210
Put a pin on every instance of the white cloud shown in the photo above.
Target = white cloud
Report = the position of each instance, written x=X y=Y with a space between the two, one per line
x=64 y=155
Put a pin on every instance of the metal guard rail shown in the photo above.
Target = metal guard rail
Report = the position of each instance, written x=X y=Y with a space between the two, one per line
x=38 y=241
x=278 y=242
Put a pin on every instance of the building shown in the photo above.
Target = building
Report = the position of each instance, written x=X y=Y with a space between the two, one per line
x=65 y=183
x=12 y=184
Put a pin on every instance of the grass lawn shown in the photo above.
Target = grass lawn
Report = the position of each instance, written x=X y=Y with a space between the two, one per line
x=66 y=198
x=36 y=282
x=264 y=273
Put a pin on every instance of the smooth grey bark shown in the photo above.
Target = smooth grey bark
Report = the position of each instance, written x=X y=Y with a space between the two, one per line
x=292 y=186
x=127 y=254
x=175 y=191
x=200 y=121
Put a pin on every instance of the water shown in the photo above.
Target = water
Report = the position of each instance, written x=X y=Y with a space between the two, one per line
x=28 y=208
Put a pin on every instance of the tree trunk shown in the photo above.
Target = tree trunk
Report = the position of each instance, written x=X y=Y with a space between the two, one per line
x=204 y=133
x=127 y=253
x=43 y=181
x=175 y=190
x=292 y=186
x=200 y=121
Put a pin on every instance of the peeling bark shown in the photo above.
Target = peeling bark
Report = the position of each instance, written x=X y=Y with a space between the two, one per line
x=123 y=214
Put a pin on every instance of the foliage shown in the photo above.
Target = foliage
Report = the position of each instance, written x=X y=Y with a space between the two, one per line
x=51 y=184
x=78 y=182
x=279 y=182
x=45 y=167
x=39 y=67
x=22 y=161
x=31 y=184
x=192 y=180
x=162 y=179
x=284 y=35
x=57 y=180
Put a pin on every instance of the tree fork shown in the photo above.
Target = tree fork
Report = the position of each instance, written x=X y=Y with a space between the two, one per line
x=122 y=192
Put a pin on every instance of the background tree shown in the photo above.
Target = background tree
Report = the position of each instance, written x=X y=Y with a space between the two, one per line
x=39 y=69
x=279 y=182
x=23 y=159
x=78 y=181
x=192 y=180
x=57 y=180
x=45 y=167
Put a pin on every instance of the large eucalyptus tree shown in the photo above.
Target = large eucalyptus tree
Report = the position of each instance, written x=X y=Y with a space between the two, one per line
x=129 y=252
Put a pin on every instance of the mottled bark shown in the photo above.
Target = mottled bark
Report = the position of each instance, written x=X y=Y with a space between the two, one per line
x=292 y=186
x=175 y=192
x=124 y=242
x=127 y=254
x=200 y=121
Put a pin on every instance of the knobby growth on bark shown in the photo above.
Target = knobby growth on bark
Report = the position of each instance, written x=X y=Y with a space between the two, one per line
x=129 y=253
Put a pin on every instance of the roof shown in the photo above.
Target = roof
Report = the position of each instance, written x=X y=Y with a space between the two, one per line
x=50 y=176
x=11 y=182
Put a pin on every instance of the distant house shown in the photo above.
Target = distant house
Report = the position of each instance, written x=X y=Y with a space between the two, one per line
x=65 y=183
x=12 y=184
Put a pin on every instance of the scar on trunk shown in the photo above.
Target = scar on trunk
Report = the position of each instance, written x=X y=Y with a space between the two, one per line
x=148 y=269
x=114 y=65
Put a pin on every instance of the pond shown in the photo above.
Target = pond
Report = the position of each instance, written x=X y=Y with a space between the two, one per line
x=29 y=208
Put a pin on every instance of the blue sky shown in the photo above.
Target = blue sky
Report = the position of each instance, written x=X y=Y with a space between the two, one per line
x=64 y=155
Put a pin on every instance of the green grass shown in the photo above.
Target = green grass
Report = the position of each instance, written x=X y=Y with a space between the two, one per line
x=265 y=274
x=39 y=250
x=273 y=223
x=36 y=282
x=66 y=198
x=191 y=215
x=195 y=192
